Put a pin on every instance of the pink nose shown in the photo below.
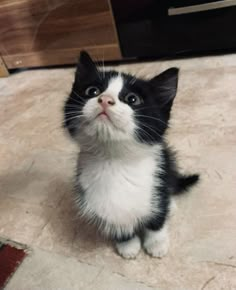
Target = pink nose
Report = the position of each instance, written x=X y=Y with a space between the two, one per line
x=106 y=101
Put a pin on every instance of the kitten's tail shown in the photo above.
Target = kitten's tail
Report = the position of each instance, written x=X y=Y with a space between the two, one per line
x=184 y=182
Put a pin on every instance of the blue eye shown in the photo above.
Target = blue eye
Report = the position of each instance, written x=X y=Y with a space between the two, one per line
x=92 y=91
x=133 y=99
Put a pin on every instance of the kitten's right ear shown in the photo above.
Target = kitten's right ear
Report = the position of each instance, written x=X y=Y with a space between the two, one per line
x=85 y=66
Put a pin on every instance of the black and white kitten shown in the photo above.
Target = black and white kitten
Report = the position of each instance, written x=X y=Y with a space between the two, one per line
x=125 y=174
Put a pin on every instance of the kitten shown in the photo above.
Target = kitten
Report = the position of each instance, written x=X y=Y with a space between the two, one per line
x=126 y=174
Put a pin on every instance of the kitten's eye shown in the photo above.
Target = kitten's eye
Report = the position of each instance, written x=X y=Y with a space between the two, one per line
x=92 y=91
x=133 y=99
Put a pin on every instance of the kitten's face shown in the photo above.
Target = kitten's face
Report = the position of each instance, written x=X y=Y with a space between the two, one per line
x=118 y=107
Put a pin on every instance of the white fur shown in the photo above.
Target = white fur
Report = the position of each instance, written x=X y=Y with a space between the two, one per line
x=130 y=248
x=173 y=207
x=116 y=172
x=114 y=87
x=156 y=243
x=119 y=186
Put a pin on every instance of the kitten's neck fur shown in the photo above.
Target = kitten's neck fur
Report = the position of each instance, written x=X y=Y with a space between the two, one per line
x=125 y=149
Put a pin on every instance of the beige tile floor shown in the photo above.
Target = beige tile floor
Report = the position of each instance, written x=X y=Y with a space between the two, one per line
x=36 y=171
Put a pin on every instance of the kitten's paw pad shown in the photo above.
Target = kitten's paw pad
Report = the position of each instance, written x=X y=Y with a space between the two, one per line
x=129 y=249
x=157 y=249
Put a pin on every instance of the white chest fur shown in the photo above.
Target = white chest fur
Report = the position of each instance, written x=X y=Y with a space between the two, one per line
x=119 y=190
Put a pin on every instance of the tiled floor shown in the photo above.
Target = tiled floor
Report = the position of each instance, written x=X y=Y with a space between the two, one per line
x=36 y=172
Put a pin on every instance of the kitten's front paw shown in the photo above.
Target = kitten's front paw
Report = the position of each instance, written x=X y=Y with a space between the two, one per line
x=129 y=249
x=156 y=244
x=157 y=250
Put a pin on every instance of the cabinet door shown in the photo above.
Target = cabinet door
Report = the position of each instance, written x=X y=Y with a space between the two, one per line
x=52 y=32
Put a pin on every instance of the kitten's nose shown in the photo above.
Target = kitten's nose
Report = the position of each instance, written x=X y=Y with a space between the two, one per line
x=106 y=101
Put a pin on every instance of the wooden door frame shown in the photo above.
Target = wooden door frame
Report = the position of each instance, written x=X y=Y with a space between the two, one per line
x=3 y=69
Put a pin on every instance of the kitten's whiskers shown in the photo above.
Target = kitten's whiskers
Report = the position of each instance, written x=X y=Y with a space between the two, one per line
x=150 y=117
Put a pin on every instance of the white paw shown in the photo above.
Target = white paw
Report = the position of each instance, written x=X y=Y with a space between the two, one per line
x=129 y=249
x=156 y=244
x=157 y=250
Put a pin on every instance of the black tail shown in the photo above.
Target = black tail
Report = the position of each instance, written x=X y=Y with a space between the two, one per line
x=184 y=182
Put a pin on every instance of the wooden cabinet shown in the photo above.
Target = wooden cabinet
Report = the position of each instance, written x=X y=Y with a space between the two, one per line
x=52 y=32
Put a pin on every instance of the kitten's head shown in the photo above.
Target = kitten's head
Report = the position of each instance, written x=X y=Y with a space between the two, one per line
x=112 y=106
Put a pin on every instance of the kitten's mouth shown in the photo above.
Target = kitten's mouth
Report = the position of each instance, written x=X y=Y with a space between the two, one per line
x=103 y=115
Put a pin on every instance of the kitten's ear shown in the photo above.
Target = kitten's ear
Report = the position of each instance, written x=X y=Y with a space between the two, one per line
x=85 y=66
x=85 y=59
x=165 y=85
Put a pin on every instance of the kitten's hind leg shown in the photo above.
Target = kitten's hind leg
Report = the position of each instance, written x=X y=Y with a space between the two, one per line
x=130 y=248
x=156 y=242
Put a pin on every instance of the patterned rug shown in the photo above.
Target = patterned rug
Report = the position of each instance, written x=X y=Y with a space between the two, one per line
x=11 y=256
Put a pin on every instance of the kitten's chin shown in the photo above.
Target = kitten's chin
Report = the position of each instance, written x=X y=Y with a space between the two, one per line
x=103 y=129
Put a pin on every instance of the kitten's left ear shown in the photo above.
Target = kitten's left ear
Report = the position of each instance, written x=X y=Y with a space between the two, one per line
x=165 y=85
